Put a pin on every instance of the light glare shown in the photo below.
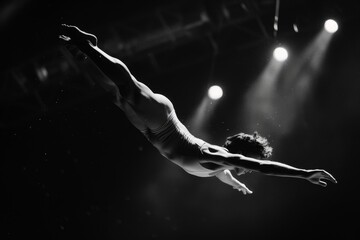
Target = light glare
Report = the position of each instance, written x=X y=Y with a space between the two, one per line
x=331 y=26
x=215 y=92
x=280 y=54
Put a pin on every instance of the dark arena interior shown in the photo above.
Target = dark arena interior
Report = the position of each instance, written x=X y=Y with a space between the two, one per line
x=73 y=166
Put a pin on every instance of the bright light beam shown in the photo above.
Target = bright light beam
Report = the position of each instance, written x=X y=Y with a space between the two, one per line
x=274 y=102
x=204 y=111
x=259 y=109
x=297 y=83
x=199 y=120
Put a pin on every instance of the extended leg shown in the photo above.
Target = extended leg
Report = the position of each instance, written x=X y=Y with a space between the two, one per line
x=139 y=101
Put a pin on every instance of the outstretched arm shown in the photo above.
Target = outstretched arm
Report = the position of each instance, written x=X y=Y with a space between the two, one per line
x=226 y=177
x=316 y=176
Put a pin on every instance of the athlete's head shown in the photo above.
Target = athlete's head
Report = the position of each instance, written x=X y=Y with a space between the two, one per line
x=249 y=145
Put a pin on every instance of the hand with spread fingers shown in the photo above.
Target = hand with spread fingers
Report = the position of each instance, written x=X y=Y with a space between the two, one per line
x=317 y=176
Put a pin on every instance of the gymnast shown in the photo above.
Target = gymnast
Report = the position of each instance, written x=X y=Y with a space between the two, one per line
x=154 y=116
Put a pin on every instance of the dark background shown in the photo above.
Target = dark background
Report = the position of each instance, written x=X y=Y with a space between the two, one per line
x=73 y=167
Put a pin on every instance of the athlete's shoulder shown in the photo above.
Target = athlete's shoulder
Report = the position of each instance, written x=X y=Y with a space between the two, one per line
x=212 y=148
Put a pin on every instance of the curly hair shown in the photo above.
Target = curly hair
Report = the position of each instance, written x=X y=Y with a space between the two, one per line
x=248 y=145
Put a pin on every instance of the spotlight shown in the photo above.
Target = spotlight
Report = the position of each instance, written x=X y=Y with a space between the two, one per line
x=331 y=26
x=280 y=54
x=215 y=92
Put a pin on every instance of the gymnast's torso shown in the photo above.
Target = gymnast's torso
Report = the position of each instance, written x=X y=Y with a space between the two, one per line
x=157 y=120
x=175 y=142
